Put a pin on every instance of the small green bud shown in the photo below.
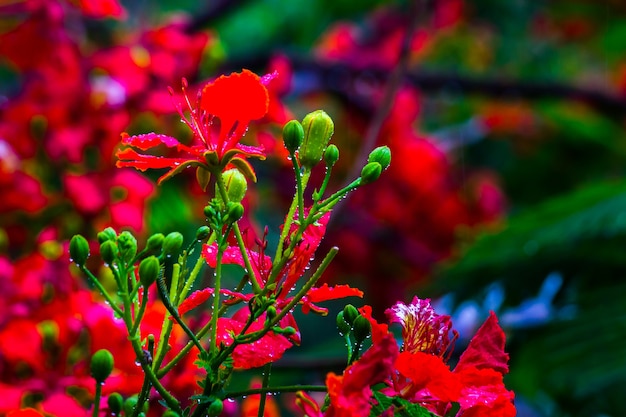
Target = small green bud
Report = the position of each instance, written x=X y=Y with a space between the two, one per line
x=79 y=249
x=271 y=312
x=170 y=413
x=293 y=134
x=342 y=324
x=149 y=271
x=108 y=251
x=127 y=244
x=361 y=328
x=235 y=211
x=101 y=365
x=371 y=172
x=203 y=232
x=107 y=234
x=172 y=244
x=236 y=186
x=331 y=155
x=382 y=155
x=155 y=243
x=318 y=128
x=216 y=408
x=350 y=313
x=115 y=402
x=130 y=404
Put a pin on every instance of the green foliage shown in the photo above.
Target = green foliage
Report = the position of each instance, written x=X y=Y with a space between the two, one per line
x=401 y=407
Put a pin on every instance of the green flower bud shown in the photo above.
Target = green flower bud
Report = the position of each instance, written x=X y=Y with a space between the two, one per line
x=331 y=155
x=155 y=243
x=371 y=172
x=203 y=232
x=271 y=312
x=216 y=408
x=343 y=326
x=108 y=251
x=127 y=244
x=170 y=413
x=172 y=244
x=149 y=271
x=318 y=128
x=79 y=249
x=293 y=134
x=107 y=234
x=361 y=328
x=382 y=155
x=235 y=211
x=115 y=402
x=101 y=365
x=129 y=405
x=236 y=186
x=350 y=313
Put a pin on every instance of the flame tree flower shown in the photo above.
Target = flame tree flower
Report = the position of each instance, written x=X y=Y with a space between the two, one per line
x=218 y=120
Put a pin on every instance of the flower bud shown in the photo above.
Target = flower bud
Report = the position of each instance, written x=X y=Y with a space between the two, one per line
x=155 y=243
x=101 y=365
x=108 y=251
x=361 y=328
x=382 y=155
x=127 y=244
x=293 y=134
x=149 y=271
x=342 y=324
x=236 y=185
x=235 y=211
x=129 y=405
x=350 y=313
x=271 y=312
x=371 y=172
x=318 y=128
x=79 y=249
x=216 y=408
x=107 y=234
x=331 y=155
x=203 y=232
x=172 y=244
x=170 y=413
x=115 y=402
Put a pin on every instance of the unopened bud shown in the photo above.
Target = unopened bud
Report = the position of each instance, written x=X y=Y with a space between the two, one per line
x=350 y=313
x=216 y=408
x=236 y=185
x=79 y=250
x=172 y=244
x=155 y=243
x=108 y=251
x=127 y=244
x=203 y=232
x=130 y=404
x=170 y=413
x=235 y=211
x=271 y=312
x=318 y=128
x=107 y=234
x=382 y=155
x=371 y=172
x=101 y=365
x=331 y=155
x=149 y=271
x=343 y=326
x=361 y=328
x=115 y=402
x=293 y=134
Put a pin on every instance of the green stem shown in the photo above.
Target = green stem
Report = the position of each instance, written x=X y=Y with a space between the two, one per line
x=278 y=257
x=280 y=388
x=142 y=310
x=102 y=290
x=194 y=272
x=266 y=381
x=216 y=299
x=96 y=401
x=143 y=396
x=299 y=186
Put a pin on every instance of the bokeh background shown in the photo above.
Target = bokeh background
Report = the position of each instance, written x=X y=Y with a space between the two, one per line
x=506 y=190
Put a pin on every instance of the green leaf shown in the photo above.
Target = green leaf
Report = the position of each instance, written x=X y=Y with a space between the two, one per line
x=401 y=407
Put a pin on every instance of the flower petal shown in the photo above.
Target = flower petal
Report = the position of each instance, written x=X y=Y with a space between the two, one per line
x=486 y=349
x=149 y=140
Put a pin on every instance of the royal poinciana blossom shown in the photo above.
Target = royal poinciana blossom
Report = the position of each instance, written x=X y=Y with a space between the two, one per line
x=218 y=119
x=418 y=371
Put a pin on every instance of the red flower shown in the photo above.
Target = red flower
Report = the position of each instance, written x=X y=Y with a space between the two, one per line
x=235 y=100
